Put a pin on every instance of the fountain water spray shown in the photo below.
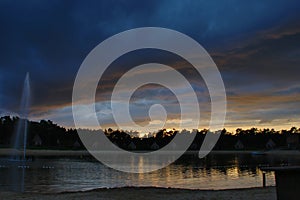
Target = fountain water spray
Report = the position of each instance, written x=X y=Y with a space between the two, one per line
x=22 y=126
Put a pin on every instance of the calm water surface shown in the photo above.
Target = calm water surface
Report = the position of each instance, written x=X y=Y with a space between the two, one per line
x=216 y=171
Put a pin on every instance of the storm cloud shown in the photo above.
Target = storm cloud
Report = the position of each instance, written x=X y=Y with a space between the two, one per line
x=255 y=44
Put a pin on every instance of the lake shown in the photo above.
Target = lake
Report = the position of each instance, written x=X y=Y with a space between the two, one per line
x=216 y=171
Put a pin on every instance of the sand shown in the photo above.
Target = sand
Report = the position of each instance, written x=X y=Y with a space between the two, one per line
x=151 y=193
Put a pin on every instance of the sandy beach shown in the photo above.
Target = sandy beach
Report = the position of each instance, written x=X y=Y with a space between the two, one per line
x=145 y=193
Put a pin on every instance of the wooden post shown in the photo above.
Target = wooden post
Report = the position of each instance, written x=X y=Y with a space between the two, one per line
x=264 y=179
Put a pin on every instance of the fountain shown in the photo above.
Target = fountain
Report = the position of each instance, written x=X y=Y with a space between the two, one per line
x=18 y=162
x=22 y=125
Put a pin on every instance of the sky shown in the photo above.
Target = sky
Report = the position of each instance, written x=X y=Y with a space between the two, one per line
x=255 y=44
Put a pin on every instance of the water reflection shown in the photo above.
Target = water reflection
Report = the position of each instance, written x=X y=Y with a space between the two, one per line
x=13 y=178
x=216 y=171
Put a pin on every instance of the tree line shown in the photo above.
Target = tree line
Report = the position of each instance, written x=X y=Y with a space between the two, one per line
x=48 y=135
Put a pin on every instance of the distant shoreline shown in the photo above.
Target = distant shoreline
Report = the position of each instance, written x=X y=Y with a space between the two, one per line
x=44 y=152
x=153 y=193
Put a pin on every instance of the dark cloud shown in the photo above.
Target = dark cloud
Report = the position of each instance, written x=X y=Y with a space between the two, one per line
x=255 y=44
x=269 y=62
